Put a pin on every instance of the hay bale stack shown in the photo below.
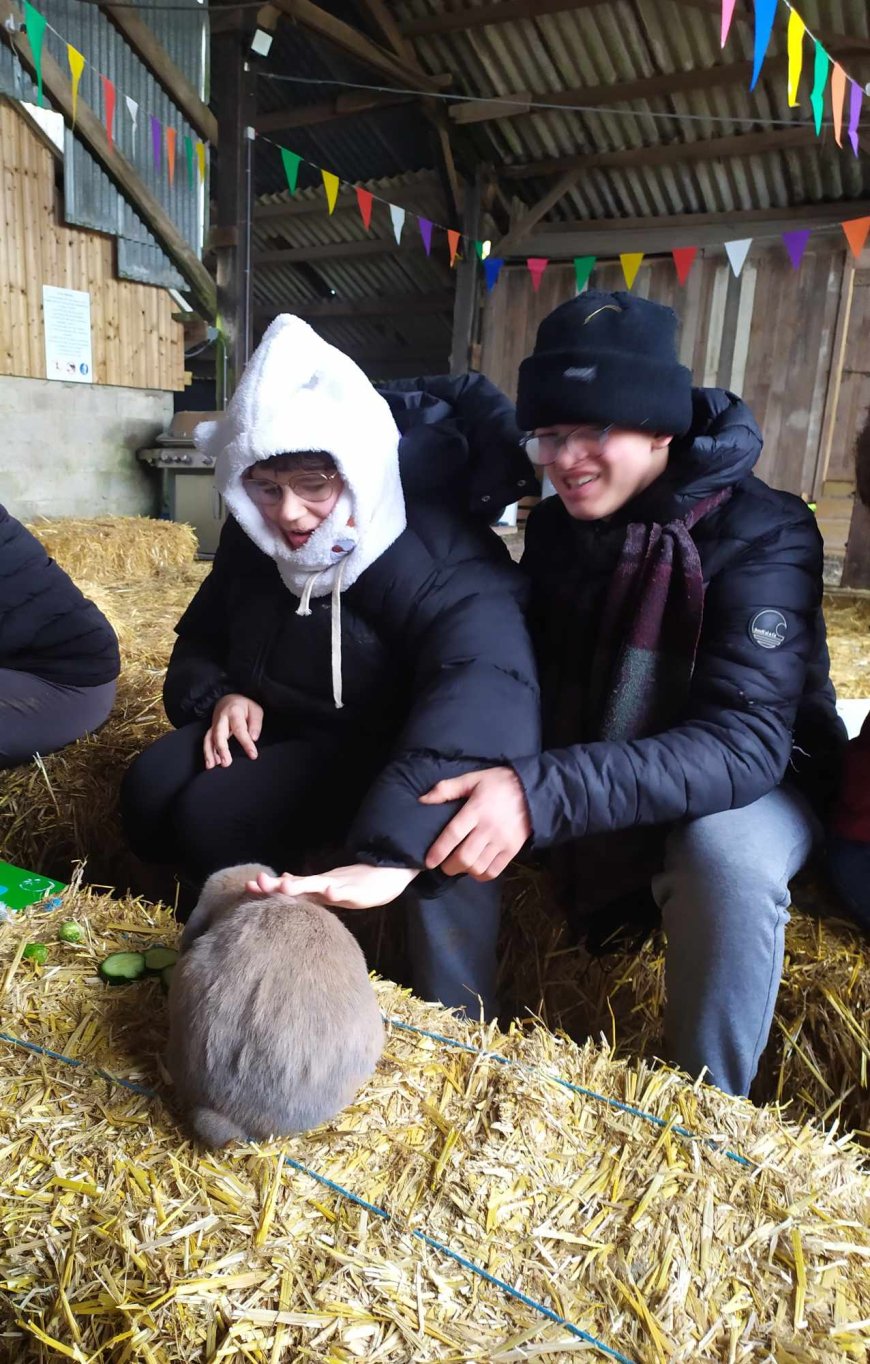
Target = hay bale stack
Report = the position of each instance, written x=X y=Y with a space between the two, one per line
x=108 y=549
x=657 y=1245
x=848 y=619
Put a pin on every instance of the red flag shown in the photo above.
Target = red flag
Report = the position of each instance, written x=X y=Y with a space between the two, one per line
x=170 y=153
x=364 y=199
x=537 y=265
x=453 y=240
x=109 y=105
x=684 y=259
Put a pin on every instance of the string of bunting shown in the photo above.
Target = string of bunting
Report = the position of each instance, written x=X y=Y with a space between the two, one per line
x=164 y=138
x=795 y=242
x=824 y=68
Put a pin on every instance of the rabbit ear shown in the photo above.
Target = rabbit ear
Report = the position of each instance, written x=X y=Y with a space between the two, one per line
x=197 y=924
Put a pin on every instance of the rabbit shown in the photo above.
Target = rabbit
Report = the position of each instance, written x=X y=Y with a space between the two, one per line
x=273 y=1022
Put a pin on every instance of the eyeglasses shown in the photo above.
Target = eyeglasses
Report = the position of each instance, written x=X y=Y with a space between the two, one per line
x=547 y=449
x=308 y=485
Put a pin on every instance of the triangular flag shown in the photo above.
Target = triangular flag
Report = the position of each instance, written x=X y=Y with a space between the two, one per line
x=727 y=16
x=765 y=11
x=838 y=99
x=397 y=218
x=856 y=234
x=34 y=24
x=796 y=245
x=330 y=184
x=737 y=253
x=188 y=154
x=630 y=261
x=796 y=30
x=200 y=160
x=426 y=233
x=156 y=139
x=855 y=95
x=491 y=270
x=133 y=111
x=170 y=153
x=583 y=267
x=820 y=79
x=537 y=265
x=684 y=259
x=364 y=199
x=109 y=106
x=290 y=162
x=76 y=66
x=453 y=242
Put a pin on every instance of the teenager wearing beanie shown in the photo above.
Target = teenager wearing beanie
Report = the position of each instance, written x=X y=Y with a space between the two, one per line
x=690 y=729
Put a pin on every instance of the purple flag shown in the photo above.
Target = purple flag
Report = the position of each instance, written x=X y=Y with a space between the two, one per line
x=854 y=115
x=765 y=10
x=796 y=245
x=491 y=268
x=426 y=233
x=156 y=140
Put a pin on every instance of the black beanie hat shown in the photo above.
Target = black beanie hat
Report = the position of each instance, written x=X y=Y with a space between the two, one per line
x=606 y=359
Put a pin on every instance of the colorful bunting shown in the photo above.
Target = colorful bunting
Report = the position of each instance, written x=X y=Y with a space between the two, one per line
x=491 y=270
x=856 y=234
x=133 y=111
x=453 y=242
x=365 y=199
x=109 y=107
x=583 y=267
x=630 y=261
x=838 y=99
x=156 y=139
x=765 y=11
x=426 y=233
x=855 y=96
x=796 y=30
x=727 y=16
x=76 y=66
x=34 y=24
x=170 y=154
x=796 y=245
x=188 y=156
x=737 y=253
x=200 y=161
x=330 y=184
x=536 y=266
x=397 y=218
x=291 y=167
x=483 y=249
x=684 y=259
x=820 y=79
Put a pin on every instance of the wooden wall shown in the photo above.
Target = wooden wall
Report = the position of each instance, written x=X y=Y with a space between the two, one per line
x=772 y=336
x=135 y=342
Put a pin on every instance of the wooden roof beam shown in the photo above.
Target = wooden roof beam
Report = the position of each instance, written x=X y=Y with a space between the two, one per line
x=153 y=54
x=312 y=255
x=382 y=305
x=343 y=106
x=354 y=42
x=90 y=129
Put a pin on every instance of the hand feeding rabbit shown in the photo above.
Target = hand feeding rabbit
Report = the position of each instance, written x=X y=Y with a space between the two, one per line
x=273 y=1021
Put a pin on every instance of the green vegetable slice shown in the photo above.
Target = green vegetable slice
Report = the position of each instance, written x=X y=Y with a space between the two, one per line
x=35 y=951
x=70 y=932
x=122 y=966
x=158 y=958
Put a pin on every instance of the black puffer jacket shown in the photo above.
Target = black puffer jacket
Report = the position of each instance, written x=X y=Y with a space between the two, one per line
x=47 y=627
x=755 y=714
x=437 y=664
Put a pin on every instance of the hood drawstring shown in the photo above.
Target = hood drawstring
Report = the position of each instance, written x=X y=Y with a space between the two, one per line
x=304 y=609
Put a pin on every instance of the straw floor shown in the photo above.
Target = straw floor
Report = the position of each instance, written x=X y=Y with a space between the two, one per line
x=120 y=1241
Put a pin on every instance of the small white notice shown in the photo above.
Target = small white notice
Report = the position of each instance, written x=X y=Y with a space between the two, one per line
x=67 y=317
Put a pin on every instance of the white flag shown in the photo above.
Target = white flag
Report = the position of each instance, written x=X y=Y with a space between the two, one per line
x=133 y=110
x=398 y=216
x=737 y=253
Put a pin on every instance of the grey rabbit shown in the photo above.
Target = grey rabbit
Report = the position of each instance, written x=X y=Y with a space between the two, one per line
x=273 y=1021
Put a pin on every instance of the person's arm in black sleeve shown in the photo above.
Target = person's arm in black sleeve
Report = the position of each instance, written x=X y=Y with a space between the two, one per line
x=197 y=677
x=735 y=742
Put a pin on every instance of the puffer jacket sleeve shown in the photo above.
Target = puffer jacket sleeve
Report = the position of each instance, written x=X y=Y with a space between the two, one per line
x=47 y=626
x=735 y=741
x=475 y=694
x=197 y=676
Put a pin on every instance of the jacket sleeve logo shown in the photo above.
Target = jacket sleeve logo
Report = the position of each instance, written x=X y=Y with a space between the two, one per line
x=768 y=629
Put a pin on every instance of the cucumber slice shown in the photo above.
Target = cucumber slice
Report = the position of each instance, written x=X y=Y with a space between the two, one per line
x=36 y=951
x=166 y=977
x=70 y=932
x=158 y=958
x=122 y=967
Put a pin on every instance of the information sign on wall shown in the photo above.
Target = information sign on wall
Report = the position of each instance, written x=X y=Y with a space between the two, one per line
x=67 y=316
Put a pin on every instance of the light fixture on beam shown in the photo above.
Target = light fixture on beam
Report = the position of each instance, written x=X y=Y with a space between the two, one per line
x=267 y=22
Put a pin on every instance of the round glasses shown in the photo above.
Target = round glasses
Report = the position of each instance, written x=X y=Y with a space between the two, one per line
x=547 y=449
x=308 y=485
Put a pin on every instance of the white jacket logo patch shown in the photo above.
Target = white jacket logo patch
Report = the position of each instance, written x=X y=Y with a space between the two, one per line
x=768 y=629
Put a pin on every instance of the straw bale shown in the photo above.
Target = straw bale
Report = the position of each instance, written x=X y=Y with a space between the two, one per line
x=848 y=620
x=120 y=1240
x=105 y=549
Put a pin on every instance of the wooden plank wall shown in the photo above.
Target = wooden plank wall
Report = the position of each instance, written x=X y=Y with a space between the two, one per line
x=768 y=335
x=134 y=340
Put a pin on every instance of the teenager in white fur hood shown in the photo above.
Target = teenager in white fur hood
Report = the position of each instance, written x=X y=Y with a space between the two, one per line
x=359 y=638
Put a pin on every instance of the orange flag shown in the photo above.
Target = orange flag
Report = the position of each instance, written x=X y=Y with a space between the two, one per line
x=856 y=234
x=170 y=153
x=453 y=241
x=838 y=99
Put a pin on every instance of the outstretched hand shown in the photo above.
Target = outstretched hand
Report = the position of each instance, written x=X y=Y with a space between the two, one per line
x=356 y=887
x=490 y=828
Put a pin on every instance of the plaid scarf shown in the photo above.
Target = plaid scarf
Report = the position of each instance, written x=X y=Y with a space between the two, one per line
x=650 y=628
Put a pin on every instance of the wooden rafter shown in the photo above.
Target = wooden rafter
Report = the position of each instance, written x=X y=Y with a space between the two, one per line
x=382 y=305
x=355 y=250
x=90 y=130
x=153 y=54
x=351 y=40
x=343 y=106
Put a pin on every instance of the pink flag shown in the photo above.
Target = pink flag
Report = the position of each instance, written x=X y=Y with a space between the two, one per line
x=537 y=265
x=727 y=16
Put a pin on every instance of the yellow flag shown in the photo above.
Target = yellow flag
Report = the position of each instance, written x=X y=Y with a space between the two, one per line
x=200 y=158
x=330 y=184
x=630 y=265
x=76 y=66
x=796 y=31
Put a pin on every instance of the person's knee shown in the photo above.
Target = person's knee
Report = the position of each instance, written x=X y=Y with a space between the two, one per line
x=709 y=864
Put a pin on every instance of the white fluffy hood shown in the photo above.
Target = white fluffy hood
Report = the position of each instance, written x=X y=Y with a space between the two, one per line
x=299 y=393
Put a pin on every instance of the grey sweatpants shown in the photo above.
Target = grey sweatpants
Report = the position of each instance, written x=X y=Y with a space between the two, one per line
x=723 y=894
x=37 y=716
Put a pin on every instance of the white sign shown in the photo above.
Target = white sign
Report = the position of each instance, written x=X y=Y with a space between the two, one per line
x=67 y=316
